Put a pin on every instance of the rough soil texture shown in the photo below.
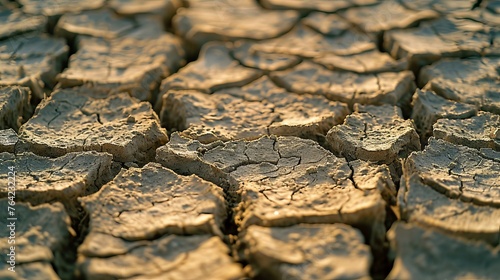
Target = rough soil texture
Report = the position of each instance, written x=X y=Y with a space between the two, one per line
x=326 y=24
x=422 y=253
x=214 y=69
x=428 y=108
x=64 y=179
x=33 y=61
x=134 y=207
x=250 y=139
x=41 y=238
x=248 y=54
x=231 y=20
x=384 y=88
x=168 y=257
x=282 y=181
x=8 y=140
x=374 y=133
x=444 y=37
x=368 y=176
x=463 y=172
x=306 y=42
x=388 y=15
x=14 y=22
x=105 y=24
x=295 y=253
x=14 y=106
x=473 y=81
x=85 y=119
x=481 y=131
x=262 y=109
x=129 y=213
x=54 y=9
x=363 y=63
x=454 y=189
x=134 y=63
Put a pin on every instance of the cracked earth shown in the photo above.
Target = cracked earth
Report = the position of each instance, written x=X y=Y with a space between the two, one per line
x=245 y=139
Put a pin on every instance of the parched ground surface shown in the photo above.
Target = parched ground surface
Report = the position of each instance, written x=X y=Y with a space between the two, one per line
x=245 y=139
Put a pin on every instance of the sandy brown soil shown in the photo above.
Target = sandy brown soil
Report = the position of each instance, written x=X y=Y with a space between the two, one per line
x=245 y=139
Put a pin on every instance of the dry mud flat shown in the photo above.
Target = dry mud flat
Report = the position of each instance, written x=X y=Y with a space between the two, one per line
x=139 y=229
x=279 y=182
x=296 y=253
x=472 y=81
x=297 y=181
x=257 y=109
x=86 y=119
x=44 y=180
x=40 y=241
x=417 y=250
x=206 y=21
x=214 y=69
x=32 y=60
x=428 y=108
x=480 y=131
x=348 y=87
x=14 y=106
x=119 y=54
x=376 y=134
x=452 y=188
x=204 y=139
x=14 y=22
x=8 y=140
x=445 y=37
